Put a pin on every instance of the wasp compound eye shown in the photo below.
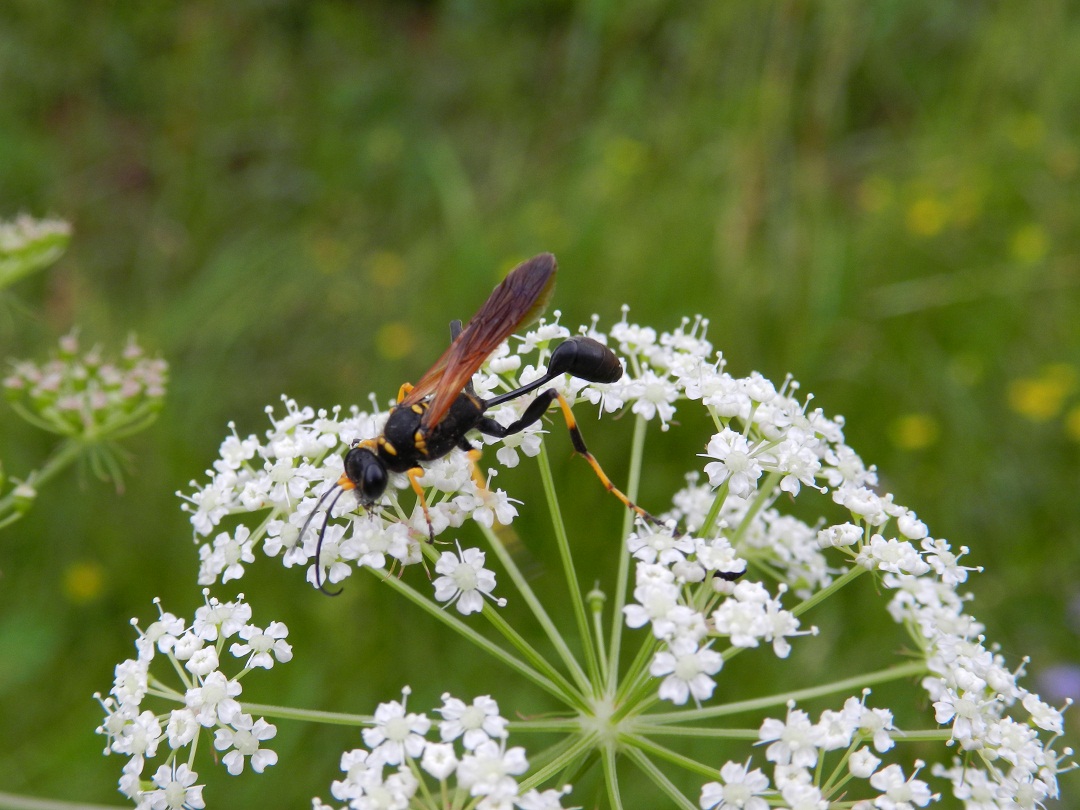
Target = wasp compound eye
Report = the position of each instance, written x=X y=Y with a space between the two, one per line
x=367 y=473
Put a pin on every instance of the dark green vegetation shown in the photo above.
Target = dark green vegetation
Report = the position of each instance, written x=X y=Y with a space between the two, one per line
x=297 y=197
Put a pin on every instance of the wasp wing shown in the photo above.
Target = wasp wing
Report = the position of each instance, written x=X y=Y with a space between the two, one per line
x=516 y=301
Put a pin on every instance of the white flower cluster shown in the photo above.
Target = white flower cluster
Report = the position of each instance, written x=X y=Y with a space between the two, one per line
x=86 y=394
x=796 y=746
x=711 y=582
x=472 y=751
x=207 y=700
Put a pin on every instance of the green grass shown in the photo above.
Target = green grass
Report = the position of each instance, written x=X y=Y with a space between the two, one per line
x=297 y=197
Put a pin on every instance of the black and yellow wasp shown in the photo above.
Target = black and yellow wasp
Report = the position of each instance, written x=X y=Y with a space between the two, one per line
x=434 y=416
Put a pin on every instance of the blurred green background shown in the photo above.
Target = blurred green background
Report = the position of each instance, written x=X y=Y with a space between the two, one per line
x=296 y=197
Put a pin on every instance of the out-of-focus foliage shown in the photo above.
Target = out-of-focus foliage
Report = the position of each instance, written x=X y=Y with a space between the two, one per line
x=298 y=196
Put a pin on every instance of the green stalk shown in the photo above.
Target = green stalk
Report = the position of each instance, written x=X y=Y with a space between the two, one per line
x=537 y=608
x=497 y=652
x=309 y=715
x=851 y=575
x=559 y=756
x=576 y=601
x=611 y=778
x=660 y=779
x=622 y=577
x=909 y=670
x=667 y=754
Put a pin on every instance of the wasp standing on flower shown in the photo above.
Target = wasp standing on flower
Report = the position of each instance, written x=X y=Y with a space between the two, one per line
x=434 y=416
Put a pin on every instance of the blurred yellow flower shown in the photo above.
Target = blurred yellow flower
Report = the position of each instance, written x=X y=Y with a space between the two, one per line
x=386 y=269
x=1029 y=244
x=1072 y=423
x=84 y=582
x=927 y=216
x=394 y=340
x=914 y=431
x=1042 y=398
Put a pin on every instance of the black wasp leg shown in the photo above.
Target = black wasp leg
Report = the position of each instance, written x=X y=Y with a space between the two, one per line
x=537 y=408
x=532 y=414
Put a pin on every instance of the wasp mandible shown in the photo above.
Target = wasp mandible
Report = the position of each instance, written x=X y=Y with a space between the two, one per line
x=434 y=416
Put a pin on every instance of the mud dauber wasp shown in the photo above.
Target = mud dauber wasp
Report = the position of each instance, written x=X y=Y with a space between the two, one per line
x=433 y=417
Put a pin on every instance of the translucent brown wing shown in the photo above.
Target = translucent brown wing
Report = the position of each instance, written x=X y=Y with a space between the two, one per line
x=516 y=301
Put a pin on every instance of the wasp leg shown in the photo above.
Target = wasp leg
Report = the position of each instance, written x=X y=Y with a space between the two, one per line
x=474 y=467
x=414 y=478
x=404 y=391
x=532 y=414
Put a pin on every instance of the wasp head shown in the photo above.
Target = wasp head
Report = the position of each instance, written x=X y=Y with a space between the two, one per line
x=366 y=473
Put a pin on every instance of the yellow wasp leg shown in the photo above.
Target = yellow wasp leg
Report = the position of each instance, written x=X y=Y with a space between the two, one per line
x=414 y=478
x=579 y=446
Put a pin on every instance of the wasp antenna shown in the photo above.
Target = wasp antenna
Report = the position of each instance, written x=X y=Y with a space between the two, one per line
x=322 y=533
x=311 y=514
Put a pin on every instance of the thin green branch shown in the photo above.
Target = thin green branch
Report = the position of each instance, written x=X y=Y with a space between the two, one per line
x=851 y=575
x=611 y=777
x=12 y=801
x=675 y=758
x=660 y=779
x=857 y=682
x=622 y=576
x=309 y=715
x=703 y=732
x=538 y=611
x=467 y=632
x=558 y=757
x=591 y=683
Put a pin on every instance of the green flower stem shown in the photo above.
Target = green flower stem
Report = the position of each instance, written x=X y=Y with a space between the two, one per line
x=900 y=671
x=840 y=774
x=926 y=735
x=12 y=801
x=35 y=420
x=64 y=455
x=660 y=779
x=675 y=758
x=699 y=732
x=308 y=715
x=557 y=758
x=547 y=684
x=637 y=672
x=570 y=695
x=641 y=693
x=548 y=725
x=596 y=610
x=622 y=577
x=576 y=600
x=851 y=575
x=611 y=777
x=709 y=526
x=537 y=608
x=763 y=497
x=130 y=423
